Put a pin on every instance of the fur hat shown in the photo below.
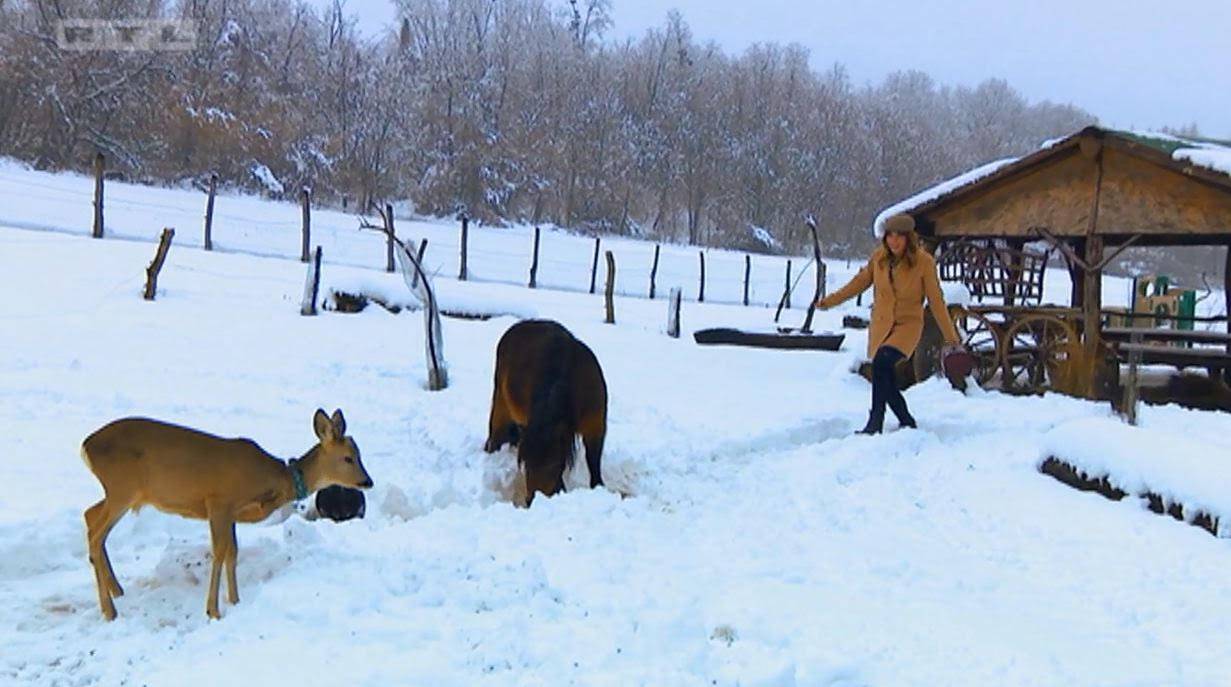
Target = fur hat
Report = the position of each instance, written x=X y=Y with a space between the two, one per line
x=900 y=223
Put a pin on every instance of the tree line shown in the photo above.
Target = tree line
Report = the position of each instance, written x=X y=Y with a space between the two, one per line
x=512 y=110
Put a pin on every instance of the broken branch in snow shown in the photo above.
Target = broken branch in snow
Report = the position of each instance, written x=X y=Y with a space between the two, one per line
x=421 y=287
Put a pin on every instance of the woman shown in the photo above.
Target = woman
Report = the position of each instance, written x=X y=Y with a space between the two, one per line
x=900 y=274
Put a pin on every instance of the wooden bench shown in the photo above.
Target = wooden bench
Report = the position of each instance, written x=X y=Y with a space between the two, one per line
x=1169 y=335
x=1145 y=342
x=1209 y=358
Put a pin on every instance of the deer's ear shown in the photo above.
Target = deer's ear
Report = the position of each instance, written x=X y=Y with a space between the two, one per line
x=322 y=425
x=339 y=423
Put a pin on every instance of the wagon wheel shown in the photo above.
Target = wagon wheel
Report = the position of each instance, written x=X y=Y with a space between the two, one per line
x=1041 y=352
x=983 y=338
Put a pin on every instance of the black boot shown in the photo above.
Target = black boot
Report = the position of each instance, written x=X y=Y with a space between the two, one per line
x=876 y=422
x=897 y=404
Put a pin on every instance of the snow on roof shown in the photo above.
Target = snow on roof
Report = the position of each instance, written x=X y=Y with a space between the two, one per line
x=941 y=189
x=1207 y=153
x=1212 y=157
x=1210 y=154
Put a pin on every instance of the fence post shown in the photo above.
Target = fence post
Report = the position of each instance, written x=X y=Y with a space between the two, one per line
x=461 y=274
x=654 y=271
x=99 y=166
x=312 y=286
x=306 y=197
x=594 y=268
x=701 y=292
x=787 y=291
x=610 y=288
x=209 y=212
x=160 y=256
x=534 y=262
x=389 y=234
x=747 y=275
x=673 y=313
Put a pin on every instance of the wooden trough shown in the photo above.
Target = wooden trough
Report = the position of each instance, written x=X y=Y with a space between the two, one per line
x=1078 y=479
x=782 y=338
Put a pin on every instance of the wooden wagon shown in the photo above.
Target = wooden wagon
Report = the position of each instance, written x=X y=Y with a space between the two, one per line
x=1076 y=203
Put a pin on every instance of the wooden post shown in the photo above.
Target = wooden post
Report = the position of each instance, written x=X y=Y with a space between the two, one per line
x=461 y=274
x=99 y=165
x=209 y=212
x=654 y=271
x=673 y=312
x=819 y=293
x=1130 y=386
x=594 y=268
x=1078 y=276
x=312 y=285
x=389 y=234
x=306 y=198
x=747 y=275
x=415 y=277
x=1092 y=288
x=701 y=291
x=534 y=262
x=160 y=256
x=787 y=289
x=1226 y=281
x=610 y=288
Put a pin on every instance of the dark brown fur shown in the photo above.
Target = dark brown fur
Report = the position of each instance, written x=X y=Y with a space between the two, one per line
x=548 y=388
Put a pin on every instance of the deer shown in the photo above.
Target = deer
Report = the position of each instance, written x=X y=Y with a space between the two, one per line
x=186 y=472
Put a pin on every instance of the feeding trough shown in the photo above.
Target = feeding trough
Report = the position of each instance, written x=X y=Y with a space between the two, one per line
x=780 y=337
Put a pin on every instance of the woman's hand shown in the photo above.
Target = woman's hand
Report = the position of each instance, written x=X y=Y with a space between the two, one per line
x=820 y=304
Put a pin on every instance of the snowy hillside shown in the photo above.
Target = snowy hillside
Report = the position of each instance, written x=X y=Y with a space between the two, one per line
x=759 y=543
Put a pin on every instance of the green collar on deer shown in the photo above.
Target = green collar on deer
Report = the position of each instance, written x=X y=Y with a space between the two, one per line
x=301 y=490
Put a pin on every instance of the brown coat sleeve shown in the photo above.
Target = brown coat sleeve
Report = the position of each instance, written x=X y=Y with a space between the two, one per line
x=936 y=301
x=857 y=285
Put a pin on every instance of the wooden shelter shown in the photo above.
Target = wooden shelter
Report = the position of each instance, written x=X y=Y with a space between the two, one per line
x=1089 y=196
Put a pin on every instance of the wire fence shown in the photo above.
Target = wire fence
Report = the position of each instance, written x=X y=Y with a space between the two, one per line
x=271 y=228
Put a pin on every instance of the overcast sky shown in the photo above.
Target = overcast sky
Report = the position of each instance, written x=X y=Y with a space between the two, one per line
x=1133 y=63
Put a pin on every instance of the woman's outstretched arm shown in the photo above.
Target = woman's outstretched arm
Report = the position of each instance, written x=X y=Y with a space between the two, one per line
x=857 y=285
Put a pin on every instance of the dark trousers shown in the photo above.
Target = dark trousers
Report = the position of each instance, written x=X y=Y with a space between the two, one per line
x=885 y=389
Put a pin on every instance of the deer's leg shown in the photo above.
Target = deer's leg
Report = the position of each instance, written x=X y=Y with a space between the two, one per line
x=100 y=518
x=232 y=553
x=220 y=533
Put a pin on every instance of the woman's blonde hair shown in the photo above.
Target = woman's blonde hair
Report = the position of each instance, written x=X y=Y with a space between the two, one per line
x=905 y=225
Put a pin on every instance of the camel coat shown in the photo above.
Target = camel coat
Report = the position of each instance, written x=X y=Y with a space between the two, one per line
x=897 y=301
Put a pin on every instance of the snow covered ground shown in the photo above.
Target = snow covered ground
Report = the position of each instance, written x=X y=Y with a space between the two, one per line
x=760 y=542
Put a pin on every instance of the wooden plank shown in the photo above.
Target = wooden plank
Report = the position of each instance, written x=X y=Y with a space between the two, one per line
x=784 y=340
x=1177 y=357
x=1152 y=334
